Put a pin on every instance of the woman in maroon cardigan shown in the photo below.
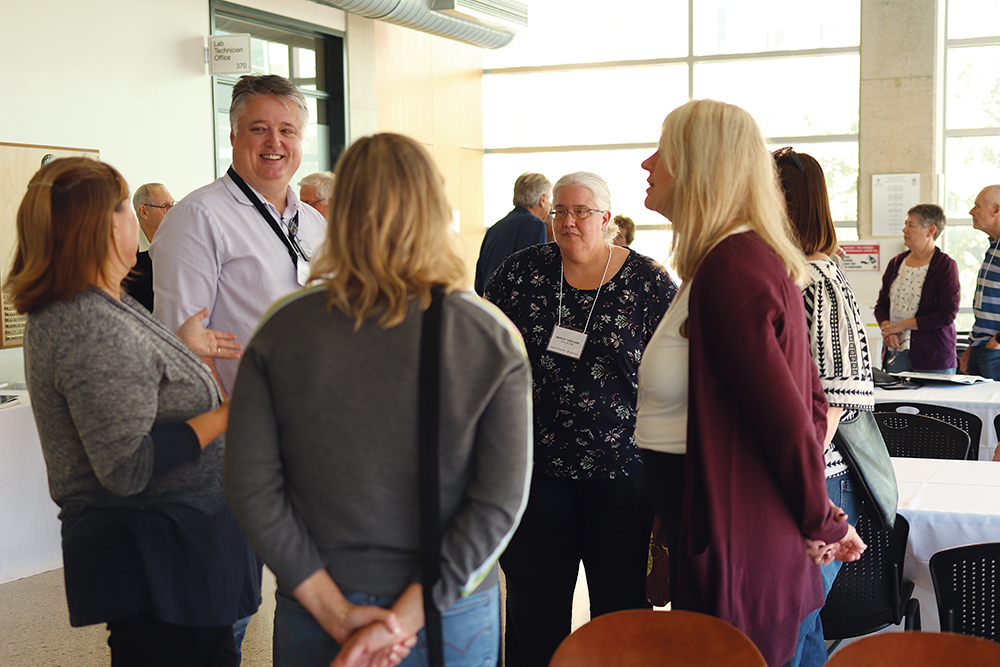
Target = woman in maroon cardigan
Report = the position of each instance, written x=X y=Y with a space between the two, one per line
x=754 y=493
x=919 y=299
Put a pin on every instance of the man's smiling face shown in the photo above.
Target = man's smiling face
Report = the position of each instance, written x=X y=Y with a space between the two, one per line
x=267 y=143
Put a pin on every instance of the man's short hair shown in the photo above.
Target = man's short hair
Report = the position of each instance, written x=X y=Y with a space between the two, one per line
x=927 y=215
x=529 y=188
x=258 y=86
x=144 y=195
x=321 y=182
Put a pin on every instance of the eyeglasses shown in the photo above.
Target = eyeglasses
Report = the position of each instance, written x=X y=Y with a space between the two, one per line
x=788 y=151
x=577 y=213
x=165 y=207
x=313 y=203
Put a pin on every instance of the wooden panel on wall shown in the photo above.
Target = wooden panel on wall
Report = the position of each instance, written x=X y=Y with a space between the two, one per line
x=18 y=163
x=430 y=88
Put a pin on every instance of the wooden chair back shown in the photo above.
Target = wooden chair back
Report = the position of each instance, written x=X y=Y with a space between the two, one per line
x=646 y=638
x=917 y=649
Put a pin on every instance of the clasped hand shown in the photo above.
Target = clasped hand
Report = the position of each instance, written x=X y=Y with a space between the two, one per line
x=372 y=637
x=848 y=549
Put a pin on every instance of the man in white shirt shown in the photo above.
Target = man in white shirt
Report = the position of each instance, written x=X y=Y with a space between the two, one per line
x=245 y=240
x=151 y=202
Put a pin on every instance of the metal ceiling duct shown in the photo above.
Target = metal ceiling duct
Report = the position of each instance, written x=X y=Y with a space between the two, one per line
x=417 y=14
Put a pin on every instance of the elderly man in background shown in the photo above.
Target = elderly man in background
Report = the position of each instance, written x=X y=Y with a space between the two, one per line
x=151 y=202
x=519 y=229
x=982 y=357
x=245 y=240
x=316 y=190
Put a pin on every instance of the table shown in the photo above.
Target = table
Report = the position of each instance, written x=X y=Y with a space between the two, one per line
x=982 y=400
x=30 y=540
x=948 y=504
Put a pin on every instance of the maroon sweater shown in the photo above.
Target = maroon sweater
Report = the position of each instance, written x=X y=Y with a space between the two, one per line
x=754 y=482
x=932 y=343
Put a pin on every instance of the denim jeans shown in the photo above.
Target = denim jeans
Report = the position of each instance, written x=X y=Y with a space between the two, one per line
x=985 y=362
x=811 y=648
x=897 y=361
x=471 y=632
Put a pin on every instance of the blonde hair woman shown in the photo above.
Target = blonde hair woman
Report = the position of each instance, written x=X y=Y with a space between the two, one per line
x=321 y=460
x=730 y=408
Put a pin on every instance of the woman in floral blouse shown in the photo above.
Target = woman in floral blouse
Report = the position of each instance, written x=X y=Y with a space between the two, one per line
x=586 y=309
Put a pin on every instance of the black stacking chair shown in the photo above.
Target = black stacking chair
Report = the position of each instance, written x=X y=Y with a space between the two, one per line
x=966 y=583
x=870 y=594
x=922 y=437
x=966 y=421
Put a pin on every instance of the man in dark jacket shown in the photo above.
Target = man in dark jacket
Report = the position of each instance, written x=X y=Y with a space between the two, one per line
x=519 y=229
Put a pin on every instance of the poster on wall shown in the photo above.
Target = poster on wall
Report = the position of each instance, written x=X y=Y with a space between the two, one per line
x=892 y=196
x=859 y=256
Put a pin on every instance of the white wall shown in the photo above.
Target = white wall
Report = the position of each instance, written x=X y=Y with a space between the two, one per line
x=126 y=77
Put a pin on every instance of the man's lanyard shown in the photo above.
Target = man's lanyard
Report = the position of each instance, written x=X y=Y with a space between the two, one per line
x=290 y=241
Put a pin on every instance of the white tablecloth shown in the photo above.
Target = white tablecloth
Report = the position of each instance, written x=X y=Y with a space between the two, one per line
x=982 y=400
x=948 y=504
x=29 y=530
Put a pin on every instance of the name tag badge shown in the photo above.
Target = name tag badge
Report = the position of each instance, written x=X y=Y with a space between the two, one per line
x=302 y=269
x=567 y=342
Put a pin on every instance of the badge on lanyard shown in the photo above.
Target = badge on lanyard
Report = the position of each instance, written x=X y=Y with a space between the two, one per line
x=567 y=342
x=302 y=271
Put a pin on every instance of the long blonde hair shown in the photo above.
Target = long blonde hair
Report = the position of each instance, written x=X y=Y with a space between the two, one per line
x=724 y=178
x=387 y=240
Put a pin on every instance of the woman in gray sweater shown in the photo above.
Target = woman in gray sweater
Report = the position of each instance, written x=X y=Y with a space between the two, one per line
x=131 y=422
x=321 y=462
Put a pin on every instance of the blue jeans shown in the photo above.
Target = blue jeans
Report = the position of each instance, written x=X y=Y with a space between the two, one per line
x=810 y=651
x=984 y=361
x=471 y=632
x=897 y=361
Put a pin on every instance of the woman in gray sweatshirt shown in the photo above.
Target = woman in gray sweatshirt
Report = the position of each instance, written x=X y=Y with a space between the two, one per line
x=322 y=455
x=131 y=422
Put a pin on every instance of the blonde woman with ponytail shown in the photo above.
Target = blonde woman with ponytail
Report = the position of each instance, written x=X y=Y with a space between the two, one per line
x=731 y=412
x=131 y=424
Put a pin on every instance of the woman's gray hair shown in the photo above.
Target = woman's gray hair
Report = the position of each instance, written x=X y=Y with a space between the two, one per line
x=927 y=215
x=259 y=86
x=598 y=187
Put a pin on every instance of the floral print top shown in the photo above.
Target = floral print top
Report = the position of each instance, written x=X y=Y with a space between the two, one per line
x=584 y=409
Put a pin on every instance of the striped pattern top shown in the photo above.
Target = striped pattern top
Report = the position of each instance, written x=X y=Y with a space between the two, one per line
x=986 y=304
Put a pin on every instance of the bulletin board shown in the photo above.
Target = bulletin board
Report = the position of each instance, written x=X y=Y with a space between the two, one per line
x=18 y=163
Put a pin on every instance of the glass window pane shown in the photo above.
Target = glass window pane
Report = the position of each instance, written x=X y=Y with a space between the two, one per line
x=971 y=163
x=780 y=93
x=621 y=169
x=589 y=31
x=967 y=246
x=738 y=26
x=973 y=87
x=274 y=50
x=973 y=18
x=580 y=107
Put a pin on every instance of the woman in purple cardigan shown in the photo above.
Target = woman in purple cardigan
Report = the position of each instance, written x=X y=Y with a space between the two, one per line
x=731 y=411
x=919 y=298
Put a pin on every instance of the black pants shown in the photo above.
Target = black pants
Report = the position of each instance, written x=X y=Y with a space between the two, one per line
x=142 y=641
x=603 y=522
x=663 y=477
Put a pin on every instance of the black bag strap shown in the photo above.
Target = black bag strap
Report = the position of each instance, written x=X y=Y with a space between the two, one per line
x=428 y=423
x=262 y=209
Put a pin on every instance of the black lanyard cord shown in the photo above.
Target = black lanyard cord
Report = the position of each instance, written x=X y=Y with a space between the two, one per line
x=290 y=241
